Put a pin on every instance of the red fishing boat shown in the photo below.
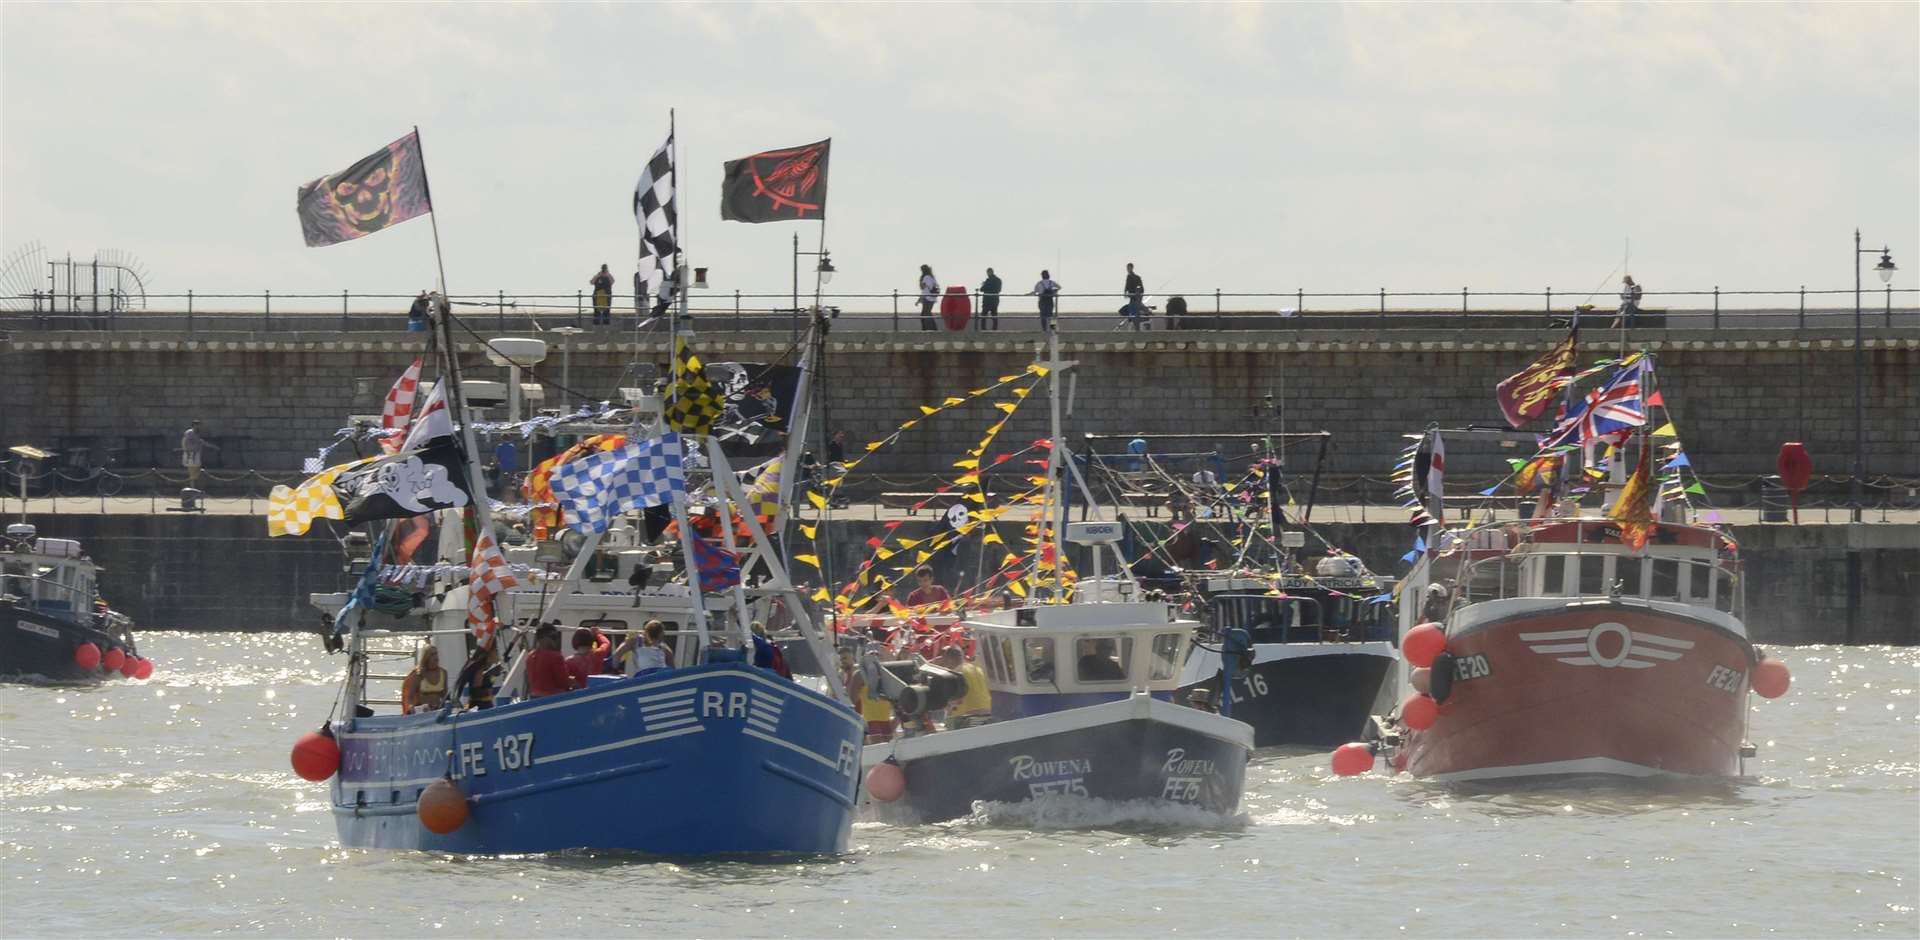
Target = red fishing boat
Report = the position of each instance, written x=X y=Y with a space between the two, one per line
x=1577 y=643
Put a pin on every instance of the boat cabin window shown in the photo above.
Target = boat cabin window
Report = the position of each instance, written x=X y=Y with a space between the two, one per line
x=1666 y=581
x=1723 y=592
x=1008 y=670
x=1102 y=658
x=1626 y=574
x=17 y=580
x=990 y=658
x=1166 y=656
x=1700 y=585
x=1039 y=659
x=1553 y=575
x=1593 y=574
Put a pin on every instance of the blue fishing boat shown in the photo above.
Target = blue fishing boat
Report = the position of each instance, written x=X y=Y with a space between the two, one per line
x=717 y=756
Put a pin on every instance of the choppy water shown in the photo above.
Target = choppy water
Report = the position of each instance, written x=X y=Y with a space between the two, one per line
x=166 y=807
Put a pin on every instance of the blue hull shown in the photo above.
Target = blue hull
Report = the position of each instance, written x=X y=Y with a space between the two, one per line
x=717 y=759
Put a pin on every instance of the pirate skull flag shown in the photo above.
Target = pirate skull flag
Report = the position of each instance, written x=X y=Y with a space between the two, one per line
x=385 y=189
x=409 y=483
x=777 y=186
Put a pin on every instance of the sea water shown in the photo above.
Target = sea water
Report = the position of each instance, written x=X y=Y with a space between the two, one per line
x=167 y=807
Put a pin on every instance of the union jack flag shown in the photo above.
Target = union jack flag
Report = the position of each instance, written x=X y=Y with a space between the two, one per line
x=1608 y=413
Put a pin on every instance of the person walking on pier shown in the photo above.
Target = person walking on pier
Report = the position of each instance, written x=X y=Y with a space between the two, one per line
x=602 y=296
x=929 y=295
x=193 y=450
x=989 y=302
x=1136 y=291
x=1048 y=290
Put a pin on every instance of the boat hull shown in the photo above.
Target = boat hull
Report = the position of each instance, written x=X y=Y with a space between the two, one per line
x=717 y=759
x=37 y=647
x=1559 y=688
x=1300 y=694
x=1138 y=749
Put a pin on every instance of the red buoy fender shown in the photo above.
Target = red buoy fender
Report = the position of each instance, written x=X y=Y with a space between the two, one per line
x=1419 y=712
x=1352 y=759
x=1771 y=678
x=146 y=669
x=442 y=807
x=1423 y=643
x=86 y=656
x=316 y=756
x=113 y=658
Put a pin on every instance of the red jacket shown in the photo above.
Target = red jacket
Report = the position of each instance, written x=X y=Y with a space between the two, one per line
x=547 y=674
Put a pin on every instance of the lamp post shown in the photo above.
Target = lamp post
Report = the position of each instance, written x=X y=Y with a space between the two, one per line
x=1885 y=269
x=822 y=274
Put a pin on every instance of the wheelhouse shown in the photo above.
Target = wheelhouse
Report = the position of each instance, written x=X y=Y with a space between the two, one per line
x=1048 y=658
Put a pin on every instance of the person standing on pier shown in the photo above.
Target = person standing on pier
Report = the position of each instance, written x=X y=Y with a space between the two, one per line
x=193 y=450
x=417 y=314
x=1047 y=290
x=1136 y=291
x=989 y=302
x=602 y=296
x=1629 y=301
x=639 y=294
x=929 y=295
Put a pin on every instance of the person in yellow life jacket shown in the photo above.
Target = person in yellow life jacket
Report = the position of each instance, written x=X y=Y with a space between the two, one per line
x=977 y=705
x=425 y=688
x=876 y=712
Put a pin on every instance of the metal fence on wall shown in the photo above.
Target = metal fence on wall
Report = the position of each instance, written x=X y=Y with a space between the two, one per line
x=899 y=311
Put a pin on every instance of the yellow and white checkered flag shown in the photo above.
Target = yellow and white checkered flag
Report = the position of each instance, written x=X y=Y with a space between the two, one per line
x=692 y=407
x=291 y=510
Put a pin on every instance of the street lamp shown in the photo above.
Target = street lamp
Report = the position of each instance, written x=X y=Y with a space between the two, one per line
x=1885 y=269
x=822 y=274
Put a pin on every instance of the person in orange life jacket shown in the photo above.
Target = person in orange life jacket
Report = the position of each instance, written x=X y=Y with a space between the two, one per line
x=926 y=592
x=547 y=672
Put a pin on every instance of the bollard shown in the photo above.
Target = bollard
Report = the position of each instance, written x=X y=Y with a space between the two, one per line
x=1549 y=303
x=736 y=310
x=500 y=310
x=344 y=323
x=578 y=300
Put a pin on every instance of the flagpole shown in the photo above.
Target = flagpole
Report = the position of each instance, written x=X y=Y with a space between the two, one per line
x=433 y=216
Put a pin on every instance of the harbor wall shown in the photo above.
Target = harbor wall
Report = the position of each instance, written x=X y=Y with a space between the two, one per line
x=270 y=400
x=214 y=572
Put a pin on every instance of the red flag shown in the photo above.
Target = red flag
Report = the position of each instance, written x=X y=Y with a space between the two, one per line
x=1525 y=395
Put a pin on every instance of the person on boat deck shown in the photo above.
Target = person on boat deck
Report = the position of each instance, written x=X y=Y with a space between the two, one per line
x=480 y=678
x=645 y=651
x=766 y=653
x=589 y=655
x=547 y=672
x=1100 y=661
x=977 y=704
x=925 y=591
x=425 y=688
x=877 y=712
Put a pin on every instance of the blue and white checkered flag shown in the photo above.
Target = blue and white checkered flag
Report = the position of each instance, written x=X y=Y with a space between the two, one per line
x=594 y=489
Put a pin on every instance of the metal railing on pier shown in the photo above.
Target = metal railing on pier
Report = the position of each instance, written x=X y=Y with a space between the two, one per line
x=900 y=311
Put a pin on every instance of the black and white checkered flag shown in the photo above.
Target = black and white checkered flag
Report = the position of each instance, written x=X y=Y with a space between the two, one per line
x=653 y=208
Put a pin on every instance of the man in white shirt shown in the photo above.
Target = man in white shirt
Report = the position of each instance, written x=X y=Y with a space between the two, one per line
x=929 y=295
x=193 y=453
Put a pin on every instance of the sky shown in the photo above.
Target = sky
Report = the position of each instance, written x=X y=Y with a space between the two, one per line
x=1244 y=147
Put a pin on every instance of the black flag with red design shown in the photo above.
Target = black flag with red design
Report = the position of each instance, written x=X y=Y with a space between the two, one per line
x=777 y=186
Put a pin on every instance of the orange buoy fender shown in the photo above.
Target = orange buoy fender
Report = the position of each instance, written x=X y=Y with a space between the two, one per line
x=442 y=807
x=86 y=656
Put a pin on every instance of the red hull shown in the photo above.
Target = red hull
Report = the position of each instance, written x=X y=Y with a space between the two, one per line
x=1551 y=689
